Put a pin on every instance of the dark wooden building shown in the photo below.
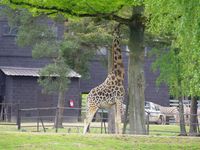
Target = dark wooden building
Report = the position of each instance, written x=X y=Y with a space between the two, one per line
x=18 y=79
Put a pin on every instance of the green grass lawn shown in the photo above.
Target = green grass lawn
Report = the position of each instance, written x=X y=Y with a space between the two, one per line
x=52 y=141
x=11 y=139
x=165 y=130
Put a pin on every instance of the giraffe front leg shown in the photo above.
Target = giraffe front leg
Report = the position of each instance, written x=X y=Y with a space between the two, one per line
x=118 y=121
x=89 y=116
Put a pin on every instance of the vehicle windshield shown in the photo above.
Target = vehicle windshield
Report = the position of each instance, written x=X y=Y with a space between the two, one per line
x=147 y=105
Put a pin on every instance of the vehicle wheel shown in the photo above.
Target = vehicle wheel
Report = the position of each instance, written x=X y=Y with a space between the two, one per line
x=161 y=120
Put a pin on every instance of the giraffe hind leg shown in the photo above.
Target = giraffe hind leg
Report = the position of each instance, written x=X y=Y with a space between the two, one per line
x=89 y=116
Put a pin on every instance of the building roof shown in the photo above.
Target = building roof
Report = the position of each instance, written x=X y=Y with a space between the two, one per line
x=33 y=72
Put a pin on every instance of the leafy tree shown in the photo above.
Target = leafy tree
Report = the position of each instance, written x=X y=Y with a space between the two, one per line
x=180 y=21
x=170 y=72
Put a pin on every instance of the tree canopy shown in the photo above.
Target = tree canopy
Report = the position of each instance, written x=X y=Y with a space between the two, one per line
x=179 y=23
x=119 y=10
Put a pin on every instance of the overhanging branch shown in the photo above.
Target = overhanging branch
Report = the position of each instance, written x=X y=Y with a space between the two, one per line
x=108 y=16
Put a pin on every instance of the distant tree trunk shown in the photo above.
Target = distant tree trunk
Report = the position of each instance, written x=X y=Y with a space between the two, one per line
x=111 y=111
x=179 y=95
x=193 y=117
x=182 y=118
x=136 y=74
x=60 y=110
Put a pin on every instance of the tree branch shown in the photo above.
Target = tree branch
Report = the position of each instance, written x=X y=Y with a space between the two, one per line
x=107 y=16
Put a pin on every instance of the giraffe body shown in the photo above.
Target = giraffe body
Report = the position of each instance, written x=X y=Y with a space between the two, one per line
x=105 y=94
x=111 y=91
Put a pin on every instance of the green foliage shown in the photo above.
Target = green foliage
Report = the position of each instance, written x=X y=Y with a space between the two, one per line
x=54 y=76
x=73 y=8
x=177 y=18
x=167 y=62
x=82 y=39
x=77 y=58
x=181 y=21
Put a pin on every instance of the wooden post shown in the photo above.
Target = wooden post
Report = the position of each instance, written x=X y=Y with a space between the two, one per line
x=18 y=118
x=57 y=109
x=147 y=123
x=105 y=127
x=37 y=120
x=42 y=124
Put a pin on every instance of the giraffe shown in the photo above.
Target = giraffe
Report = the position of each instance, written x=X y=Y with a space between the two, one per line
x=111 y=91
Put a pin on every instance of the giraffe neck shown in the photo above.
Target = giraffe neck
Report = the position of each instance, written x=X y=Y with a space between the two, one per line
x=117 y=67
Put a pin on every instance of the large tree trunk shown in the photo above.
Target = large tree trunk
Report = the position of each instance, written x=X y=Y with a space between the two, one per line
x=60 y=110
x=182 y=118
x=111 y=111
x=193 y=117
x=136 y=74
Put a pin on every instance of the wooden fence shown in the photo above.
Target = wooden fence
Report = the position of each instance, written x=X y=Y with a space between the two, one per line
x=40 y=119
